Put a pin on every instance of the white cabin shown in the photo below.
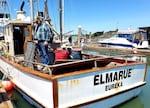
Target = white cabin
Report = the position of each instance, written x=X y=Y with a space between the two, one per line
x=17 y=33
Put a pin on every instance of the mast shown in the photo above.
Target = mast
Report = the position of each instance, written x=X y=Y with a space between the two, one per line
x=48 y=19
x=60 y=15
x=33 y=9
x=46 y=10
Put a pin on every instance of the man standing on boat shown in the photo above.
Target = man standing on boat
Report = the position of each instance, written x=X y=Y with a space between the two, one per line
x=42 y=37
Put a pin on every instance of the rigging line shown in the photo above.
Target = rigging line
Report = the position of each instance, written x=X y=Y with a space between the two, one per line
x=57 y=15
x=66 y=16
x=37 y=5
x=67 y=13
x=5 y=6
x=9 y=8
x=53 y=12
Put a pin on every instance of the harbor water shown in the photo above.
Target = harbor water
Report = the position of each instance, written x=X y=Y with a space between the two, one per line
x=141 y=101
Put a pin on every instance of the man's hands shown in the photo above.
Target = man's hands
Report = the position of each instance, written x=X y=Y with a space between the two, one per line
x=36 y=41
x=45 y=43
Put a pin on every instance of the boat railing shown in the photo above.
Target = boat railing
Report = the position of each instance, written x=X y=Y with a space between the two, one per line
x=78 y=65
x=71 y=65
x=68 y=65
x=61 y=66
x=26 y=63
x=37 y=66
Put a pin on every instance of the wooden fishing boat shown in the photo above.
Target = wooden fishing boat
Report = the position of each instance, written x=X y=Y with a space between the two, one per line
x=67 y=82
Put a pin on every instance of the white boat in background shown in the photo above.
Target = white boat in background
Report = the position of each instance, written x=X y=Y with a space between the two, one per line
x=127 y=39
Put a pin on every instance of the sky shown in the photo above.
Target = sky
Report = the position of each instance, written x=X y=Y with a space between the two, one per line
x=93 y=15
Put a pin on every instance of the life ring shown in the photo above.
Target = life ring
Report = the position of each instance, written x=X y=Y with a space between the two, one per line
x=7 y=84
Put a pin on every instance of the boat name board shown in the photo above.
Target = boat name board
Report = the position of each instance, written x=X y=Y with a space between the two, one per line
x=112 y=80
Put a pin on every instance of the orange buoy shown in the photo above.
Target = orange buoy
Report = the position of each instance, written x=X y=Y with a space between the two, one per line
x=7 y=84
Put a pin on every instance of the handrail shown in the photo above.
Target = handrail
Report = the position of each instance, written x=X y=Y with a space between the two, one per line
x=67 y=66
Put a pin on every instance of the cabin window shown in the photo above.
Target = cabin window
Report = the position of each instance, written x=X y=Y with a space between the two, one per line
x=27 y=32
x=127 y=36
x=144 y=35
